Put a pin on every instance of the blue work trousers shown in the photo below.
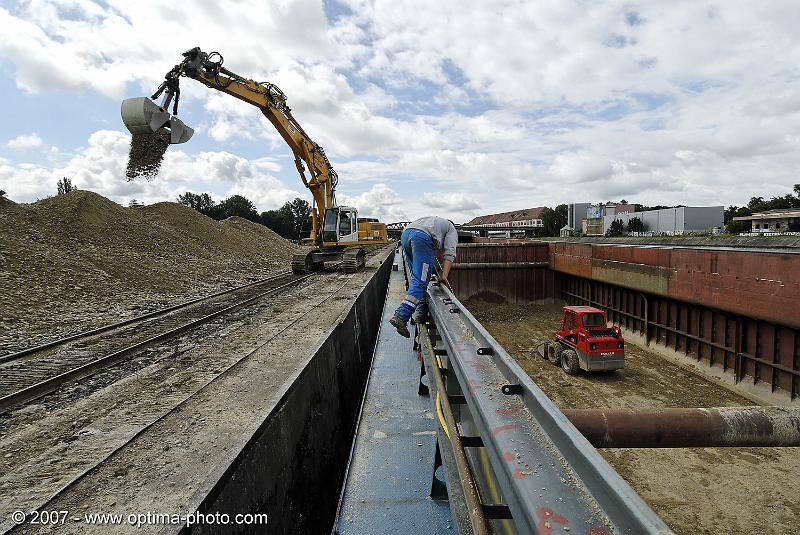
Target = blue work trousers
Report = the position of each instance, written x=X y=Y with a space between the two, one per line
x=418 y=249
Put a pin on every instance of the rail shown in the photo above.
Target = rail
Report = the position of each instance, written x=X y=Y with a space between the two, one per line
x=150 y=315
x=546 y=472
x=37 y=390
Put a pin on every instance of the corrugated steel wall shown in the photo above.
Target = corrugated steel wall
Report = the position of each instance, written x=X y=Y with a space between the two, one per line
x=749 y=348
x=514 y=272
x=736 y=310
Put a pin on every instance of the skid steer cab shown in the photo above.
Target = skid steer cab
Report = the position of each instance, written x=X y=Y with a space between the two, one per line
x=585 y=342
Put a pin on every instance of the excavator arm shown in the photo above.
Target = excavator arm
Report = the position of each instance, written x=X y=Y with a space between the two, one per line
x=144 y=115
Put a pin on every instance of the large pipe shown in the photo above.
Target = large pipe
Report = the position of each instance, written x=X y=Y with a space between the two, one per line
x=688 y=428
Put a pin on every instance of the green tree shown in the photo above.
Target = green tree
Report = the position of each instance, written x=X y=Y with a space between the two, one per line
x=301 y=217
x=553 y=220
x=616 y=228
x=737 y=227
x=758 y=204
x=65 y=186
x=279 y=221
x=236 y=205
x=202 y=202
x=292 y=220
x=635 y=224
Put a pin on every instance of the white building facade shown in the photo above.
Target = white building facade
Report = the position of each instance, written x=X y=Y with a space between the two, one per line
x=672 y=221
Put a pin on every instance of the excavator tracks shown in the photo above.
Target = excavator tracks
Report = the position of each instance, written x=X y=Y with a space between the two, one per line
x=353 y=260
x=302 y=262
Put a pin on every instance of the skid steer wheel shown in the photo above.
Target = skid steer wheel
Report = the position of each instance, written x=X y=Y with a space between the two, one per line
x=554 y=351
x=569 y=362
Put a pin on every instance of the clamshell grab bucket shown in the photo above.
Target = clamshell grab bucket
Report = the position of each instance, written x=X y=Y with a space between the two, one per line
x=143 y=116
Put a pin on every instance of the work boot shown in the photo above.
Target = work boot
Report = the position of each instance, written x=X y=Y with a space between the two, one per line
x=400 y=325
x=420 y=315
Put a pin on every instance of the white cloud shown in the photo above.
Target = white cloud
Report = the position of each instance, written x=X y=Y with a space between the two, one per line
x=450 y=201
x=380 y=201
x=100 y=167
x=25 y=141
x=104 y=45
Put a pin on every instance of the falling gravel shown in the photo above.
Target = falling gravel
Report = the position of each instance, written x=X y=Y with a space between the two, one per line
x=147 y=152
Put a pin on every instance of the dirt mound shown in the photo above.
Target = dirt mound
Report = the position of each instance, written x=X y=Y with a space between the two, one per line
x=81 y=253
x=83 y=208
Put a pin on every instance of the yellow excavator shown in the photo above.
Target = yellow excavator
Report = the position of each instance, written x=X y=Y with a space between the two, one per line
x=342 y=235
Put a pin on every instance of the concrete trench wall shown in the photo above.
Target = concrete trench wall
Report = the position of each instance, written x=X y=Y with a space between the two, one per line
x=292 y=467
x=726 y=312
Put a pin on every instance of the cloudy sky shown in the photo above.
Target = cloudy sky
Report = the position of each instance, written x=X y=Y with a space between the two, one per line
x=450 y=107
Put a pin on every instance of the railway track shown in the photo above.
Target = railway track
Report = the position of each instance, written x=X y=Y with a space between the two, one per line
x=34 y=372
x=131 y=321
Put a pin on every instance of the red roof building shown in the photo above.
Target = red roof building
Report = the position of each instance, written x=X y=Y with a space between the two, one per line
x=528 y=217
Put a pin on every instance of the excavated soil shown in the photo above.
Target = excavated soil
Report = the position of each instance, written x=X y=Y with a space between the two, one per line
x=697 y=490
x=79 y=260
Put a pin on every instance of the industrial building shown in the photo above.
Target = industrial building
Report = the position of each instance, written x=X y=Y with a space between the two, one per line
x=671 y=221
x=778 y=220
x=587 y=218
x=576 y=213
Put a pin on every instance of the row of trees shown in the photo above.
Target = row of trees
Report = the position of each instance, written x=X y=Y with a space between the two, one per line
x=758 y=204
x=618 y=228
x=292 y=220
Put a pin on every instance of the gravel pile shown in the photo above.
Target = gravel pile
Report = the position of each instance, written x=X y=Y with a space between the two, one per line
x=80 y=259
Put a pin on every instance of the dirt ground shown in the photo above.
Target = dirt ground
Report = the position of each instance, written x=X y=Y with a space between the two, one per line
x=697 y=490
x=79 y=260
x=159 y=433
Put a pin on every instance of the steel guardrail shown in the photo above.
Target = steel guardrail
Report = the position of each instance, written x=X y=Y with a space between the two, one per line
x=549 y=475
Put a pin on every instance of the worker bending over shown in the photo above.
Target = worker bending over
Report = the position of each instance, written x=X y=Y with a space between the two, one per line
x=420 y=241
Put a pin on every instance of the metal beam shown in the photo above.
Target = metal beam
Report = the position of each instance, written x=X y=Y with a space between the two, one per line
x=688 y=428
x=545 y=469
x=477 y=518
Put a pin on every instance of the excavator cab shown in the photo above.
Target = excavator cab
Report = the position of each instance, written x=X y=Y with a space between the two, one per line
x=340 y=242
x=341 y=226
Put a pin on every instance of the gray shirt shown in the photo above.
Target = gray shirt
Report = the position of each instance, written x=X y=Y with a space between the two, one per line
x=443 y=233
